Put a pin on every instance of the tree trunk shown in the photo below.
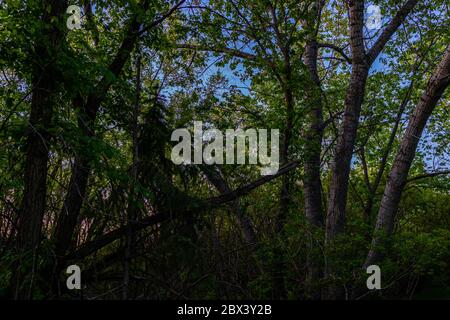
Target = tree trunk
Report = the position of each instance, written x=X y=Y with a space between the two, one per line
x=45 y=77
x=279 y=266
x=132 y=213
x=344 y=148
x=372 y=188
x=76 y=192
x=312 y=181
x=439 y=81
x=346 y=140
x=312 y=185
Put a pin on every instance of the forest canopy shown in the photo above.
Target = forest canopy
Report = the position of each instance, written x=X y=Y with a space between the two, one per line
x=96 y=97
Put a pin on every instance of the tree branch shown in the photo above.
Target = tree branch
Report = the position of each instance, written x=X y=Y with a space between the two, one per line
x=93 y=246
x=232 y=52
x=162 y=18
x=390 y=30
x=337 y=49
x=428 y=175
x=242 y=191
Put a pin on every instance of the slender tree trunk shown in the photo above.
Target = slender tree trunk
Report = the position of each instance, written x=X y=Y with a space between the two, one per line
x=279 y=266
x=398 y=176
x=81 y=169
x=35 y=176
x=68 y=217
x=312 y=181
x=132 y=209
x=284 y=157
x=372 y=188
x=87 y=6
x=312 y=185
x=88 y=114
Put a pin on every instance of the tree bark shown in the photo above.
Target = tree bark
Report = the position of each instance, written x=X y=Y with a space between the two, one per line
x=344 y=148
x=312 y=185
x=346 y=140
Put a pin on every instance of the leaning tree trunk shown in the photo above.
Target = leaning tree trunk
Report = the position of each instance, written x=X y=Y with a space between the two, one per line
x=88 y=113
x=81 y=168
x=437 y=84
x=68 y=217
x=361 y=62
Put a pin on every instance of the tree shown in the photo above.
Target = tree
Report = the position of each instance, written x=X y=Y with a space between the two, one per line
x=437 y=84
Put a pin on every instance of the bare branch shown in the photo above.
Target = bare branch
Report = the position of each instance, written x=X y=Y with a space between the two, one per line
x=229 y=51
x=162 y=18
x=428 y=175
x=337 y=49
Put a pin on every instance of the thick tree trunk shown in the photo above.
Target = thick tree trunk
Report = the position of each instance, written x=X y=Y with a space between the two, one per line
x=398 y=176
x=361 y=63
x=35 y=176
x=346 y=140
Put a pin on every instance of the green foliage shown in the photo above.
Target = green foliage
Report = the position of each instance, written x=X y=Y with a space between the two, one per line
x=245 y=59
